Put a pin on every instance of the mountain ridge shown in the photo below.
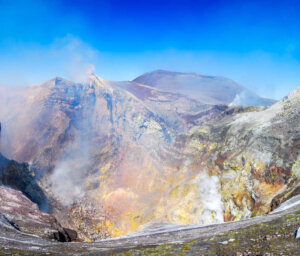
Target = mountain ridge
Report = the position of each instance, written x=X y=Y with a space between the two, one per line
x=216 y=89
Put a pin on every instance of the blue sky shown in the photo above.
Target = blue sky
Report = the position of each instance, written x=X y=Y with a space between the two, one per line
x=255 y=43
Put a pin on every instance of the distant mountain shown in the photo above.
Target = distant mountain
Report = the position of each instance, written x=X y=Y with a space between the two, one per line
x=204 y=88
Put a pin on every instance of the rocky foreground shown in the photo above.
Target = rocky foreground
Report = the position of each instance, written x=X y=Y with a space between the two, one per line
x=273 y=234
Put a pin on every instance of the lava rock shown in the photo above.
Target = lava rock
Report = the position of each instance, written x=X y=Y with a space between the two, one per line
x=60 y=237
x=72 y=234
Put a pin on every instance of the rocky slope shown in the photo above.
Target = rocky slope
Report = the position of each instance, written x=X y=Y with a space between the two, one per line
x=255 y=155
x=19 y=176
x=113 y=156
x=18 y=212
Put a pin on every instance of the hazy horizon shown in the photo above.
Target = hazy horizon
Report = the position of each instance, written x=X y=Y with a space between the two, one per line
x=251 y=42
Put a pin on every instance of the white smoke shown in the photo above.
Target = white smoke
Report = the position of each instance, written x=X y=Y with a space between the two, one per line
x=67 y=179
x=66 y=183
x=246 y=99
x=211 y=199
